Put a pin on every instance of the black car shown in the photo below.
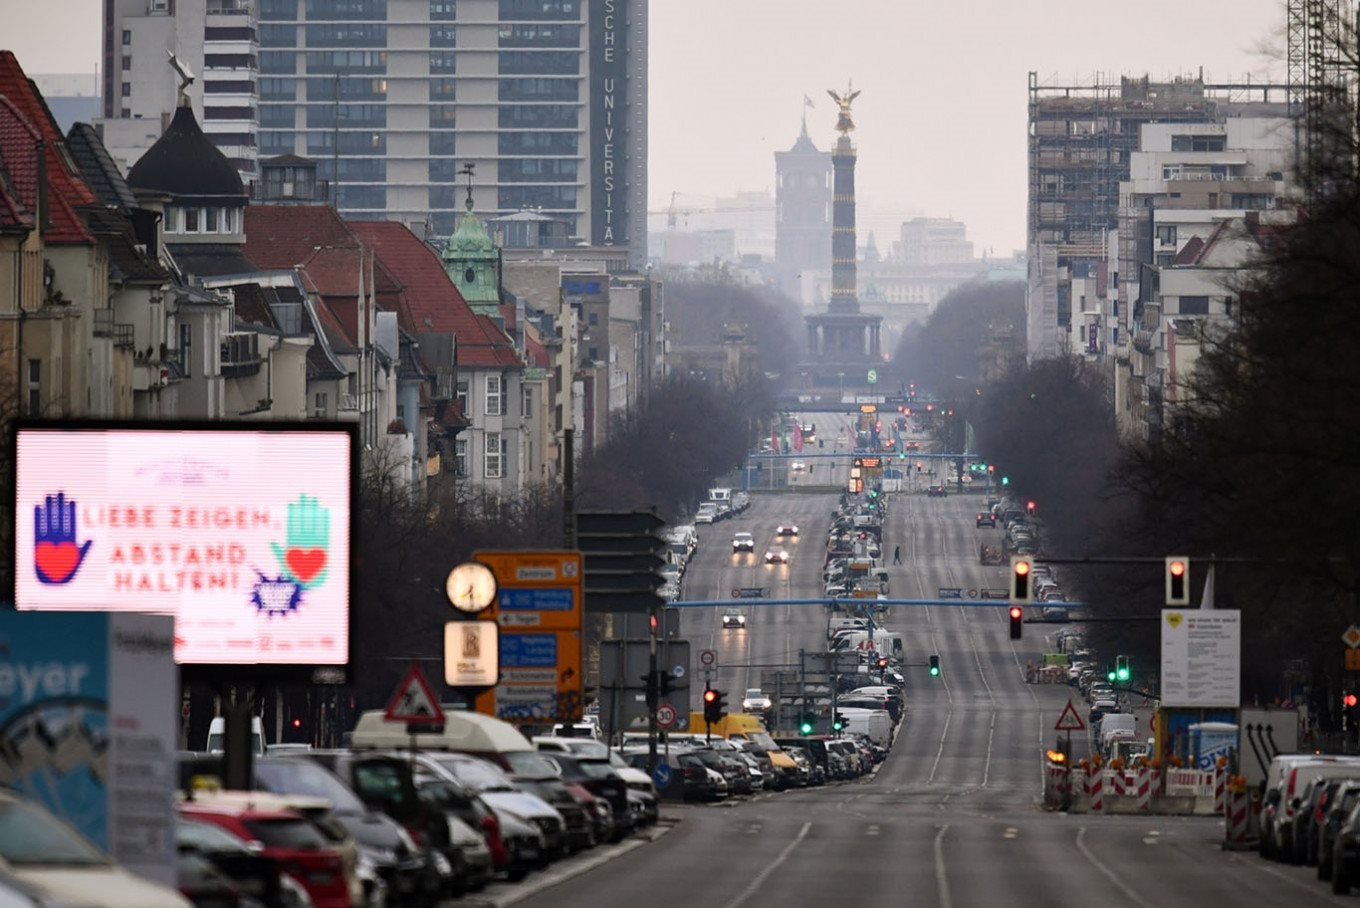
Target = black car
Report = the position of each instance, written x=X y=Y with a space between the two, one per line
x=228 y=861
x=697 y=784
x=600 y=779
x=937 y=492
x=1340 y=800
x=986 y=519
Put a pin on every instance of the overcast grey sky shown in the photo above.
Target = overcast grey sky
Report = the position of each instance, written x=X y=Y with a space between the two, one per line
x=941 y=122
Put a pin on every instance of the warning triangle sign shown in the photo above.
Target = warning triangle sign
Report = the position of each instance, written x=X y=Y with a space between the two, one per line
x=1069 y=720
x=414 y=702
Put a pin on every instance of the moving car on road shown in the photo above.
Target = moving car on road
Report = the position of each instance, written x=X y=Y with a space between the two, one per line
x=743 y=542
x=786 y=530
x=777 y=556
x=755 y=700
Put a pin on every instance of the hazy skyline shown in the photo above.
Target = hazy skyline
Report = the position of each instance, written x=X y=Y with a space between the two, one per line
x=940 y=123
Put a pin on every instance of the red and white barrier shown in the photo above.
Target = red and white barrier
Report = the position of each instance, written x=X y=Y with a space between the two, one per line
x=1239 y=810
x=1097 y=790
x=1144 y=790
x=1220 y=789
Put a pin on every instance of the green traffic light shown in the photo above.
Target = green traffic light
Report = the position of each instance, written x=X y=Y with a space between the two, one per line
x=806 y=728
x=1110 y=675
x=934 y=671
x=1005 y=480
x=1122 y=674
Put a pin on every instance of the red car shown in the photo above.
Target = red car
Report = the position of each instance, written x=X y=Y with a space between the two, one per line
x=300 y=849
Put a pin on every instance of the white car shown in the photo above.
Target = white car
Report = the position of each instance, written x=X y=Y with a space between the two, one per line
x=777 y=556
x=743 y=542
x=755 y=701
x=707 y=513
x=733 y=619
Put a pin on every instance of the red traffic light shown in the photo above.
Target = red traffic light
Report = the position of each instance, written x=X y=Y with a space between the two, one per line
x=1029 y=506
x=1350 y=700
x=297 y=723
x=1016 y=613
x=1021 y=568
x=710 y=696
x=1177 y=569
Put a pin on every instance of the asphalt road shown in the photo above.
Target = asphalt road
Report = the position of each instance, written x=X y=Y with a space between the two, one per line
x=952 y=817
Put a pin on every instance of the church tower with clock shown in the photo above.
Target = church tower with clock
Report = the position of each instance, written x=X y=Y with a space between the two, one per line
x=803 y=195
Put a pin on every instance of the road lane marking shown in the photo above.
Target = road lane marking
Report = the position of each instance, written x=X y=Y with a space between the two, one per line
x=770 y=868
x=1107 y=872
x=1010 y=833
x=872 y=830
x=940 y=753
x=978 y=659
x=941 y=880
x=987 y=767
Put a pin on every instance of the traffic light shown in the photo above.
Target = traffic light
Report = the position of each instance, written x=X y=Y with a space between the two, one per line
x=805 y=727
x=837 y=722
x=1110 y=674
x=1349 y=700
x=882 y=661
x=649 y=685
x=1122 y=673
x=1177 y=580
x=1017 y=622
x=715 y=706
x=1005 y=480
x=1022 y=568
x=1029 y=507
x=934 y=666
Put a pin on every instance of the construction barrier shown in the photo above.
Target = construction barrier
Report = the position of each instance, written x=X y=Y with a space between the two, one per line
x=1144 y=790
x=1096 y=789
x=1189 y=783
x=1220 y=786
x=1237 y=823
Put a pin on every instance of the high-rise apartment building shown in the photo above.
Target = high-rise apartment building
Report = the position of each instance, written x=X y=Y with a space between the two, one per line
x=215 y=41
x=545 y=98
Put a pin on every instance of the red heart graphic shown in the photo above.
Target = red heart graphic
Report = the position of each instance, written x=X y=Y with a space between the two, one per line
x=305 y=563
x=56 y=561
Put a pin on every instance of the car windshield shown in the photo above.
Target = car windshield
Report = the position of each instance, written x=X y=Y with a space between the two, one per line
x=289 y=832
x=477 y=774
x=303 y=777
x=31 y=836
x=530 y=765
x=206 y=837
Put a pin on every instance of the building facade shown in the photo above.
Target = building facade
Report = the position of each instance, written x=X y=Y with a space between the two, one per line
x=545 y=98
x=802 y=244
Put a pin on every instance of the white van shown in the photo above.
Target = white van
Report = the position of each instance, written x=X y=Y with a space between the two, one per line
x=217 y=736
x=874 y=724
x=716 y=495
x=464 y=732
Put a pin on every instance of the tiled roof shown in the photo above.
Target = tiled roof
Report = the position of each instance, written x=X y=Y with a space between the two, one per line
x=284 y=236
x=430 y=296
x=211 y=259
x=98 y=168
x=132 y=263
x=23 y=119
x=13 y=214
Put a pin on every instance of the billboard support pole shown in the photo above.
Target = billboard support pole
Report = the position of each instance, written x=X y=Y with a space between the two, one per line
x=238 y=755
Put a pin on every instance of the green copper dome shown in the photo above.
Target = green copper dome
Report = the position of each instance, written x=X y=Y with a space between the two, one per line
x=473 y=263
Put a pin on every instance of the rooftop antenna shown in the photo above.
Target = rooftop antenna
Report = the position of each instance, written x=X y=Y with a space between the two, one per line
x=186 y=78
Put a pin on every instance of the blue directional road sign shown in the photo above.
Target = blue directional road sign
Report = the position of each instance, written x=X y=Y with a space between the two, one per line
x=662 y=775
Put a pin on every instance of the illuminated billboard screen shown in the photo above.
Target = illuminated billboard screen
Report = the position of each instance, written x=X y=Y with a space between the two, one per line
x=241 y=532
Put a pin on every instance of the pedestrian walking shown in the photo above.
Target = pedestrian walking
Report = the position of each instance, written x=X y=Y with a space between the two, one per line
x=897 y=554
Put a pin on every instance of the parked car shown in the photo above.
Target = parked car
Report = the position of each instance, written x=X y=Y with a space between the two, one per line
x=599 y=778
x=59 y=867
x=289 y=838
x=251 y=874
x=1340 y=802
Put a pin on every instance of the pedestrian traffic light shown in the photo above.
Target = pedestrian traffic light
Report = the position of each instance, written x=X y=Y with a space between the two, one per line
x=1017 y=622
x=715 y=706
x=1177 y=580
x=1121 y=669
x=934 y=666
x=1022 y=568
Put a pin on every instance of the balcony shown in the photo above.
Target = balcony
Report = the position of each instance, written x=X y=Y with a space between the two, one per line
x=121 y=333
x=240 y=353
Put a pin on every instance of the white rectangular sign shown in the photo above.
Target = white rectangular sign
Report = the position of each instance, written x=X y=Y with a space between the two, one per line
x=241 y=534
x=1201 y=657
x=471 y=653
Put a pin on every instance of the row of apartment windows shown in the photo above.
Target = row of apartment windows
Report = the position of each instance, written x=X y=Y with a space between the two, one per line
x=323 y=89
x=494 y=456
x=494 y=397
x=337 y=10
x=537 y=170
x=532 y=10
x=539 y=62
x=540 y=35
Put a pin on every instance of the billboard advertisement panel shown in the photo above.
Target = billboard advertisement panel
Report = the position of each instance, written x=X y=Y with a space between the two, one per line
x=241 y=532
x=87 y=728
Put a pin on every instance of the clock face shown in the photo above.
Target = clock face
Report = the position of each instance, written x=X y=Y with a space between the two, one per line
x=471 y=586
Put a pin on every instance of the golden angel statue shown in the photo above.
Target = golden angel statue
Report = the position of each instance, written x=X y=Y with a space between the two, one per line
x=844 y=123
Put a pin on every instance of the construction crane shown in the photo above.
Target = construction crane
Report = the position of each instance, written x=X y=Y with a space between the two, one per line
x=672 y=212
